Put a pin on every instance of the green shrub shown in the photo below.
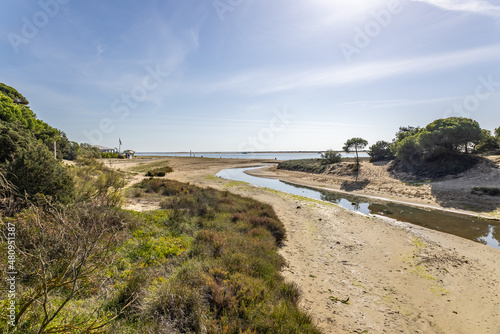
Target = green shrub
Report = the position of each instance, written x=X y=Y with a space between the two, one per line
x=330 y=157
x=272 y=225
x=441 y=138
x=488 y=142
x=160 y=172
x=381 y=151
x=178 y=306
x=112 y=155
x=128 y=294
x=290 y=291
x=71 y=246
x=35 y=171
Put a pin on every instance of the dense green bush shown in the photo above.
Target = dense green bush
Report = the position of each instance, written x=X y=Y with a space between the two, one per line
x=25 y=151
x=442 y=137
x=441 y=148
x=112 y=155
x=381 y=151
x=35 y=171
x=88 y=151
x=13 y=138
x=331 y=157
x=487 y=143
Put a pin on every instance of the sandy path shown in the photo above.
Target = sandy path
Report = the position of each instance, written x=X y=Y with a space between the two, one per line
x=398 y=277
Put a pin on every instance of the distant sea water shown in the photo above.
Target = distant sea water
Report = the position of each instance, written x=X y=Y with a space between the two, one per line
x=251 y=155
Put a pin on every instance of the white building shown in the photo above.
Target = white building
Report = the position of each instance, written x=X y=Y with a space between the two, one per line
x=104 y=149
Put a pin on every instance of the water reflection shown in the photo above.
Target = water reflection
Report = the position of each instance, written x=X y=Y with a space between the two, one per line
x=480 y=230
x=483 y=231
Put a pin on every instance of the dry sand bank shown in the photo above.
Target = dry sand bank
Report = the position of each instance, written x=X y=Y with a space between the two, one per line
x=398 y=277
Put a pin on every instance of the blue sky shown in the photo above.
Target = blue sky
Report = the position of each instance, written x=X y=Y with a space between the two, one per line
x=229 y=75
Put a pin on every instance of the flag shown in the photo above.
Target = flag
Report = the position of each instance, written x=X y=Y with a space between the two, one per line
x=120 y=141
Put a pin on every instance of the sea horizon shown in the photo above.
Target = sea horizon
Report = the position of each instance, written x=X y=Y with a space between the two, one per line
x=273 y=155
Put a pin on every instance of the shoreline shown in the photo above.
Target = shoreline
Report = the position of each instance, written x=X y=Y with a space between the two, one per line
x=241 y=152
x=407 y=202
x=452 y=192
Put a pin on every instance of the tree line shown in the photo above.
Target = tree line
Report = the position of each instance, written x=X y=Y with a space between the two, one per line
x=450 y=136
x=443 y=138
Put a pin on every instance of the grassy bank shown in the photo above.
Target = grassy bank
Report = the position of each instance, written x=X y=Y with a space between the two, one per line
x=206 y=263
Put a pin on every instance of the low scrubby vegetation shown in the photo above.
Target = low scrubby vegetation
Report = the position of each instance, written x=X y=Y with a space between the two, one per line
x=228 y=278
x=315 y=166
x=486 y=191
x=330 y=157
x=112 y=155
x=159 y=172
x=205 y=263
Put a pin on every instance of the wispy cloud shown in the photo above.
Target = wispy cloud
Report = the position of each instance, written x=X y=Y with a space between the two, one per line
x=260 y=82
x=472 y=6
x=252 y=122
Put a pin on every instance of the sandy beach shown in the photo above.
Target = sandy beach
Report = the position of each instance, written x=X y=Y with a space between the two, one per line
x=366 y=275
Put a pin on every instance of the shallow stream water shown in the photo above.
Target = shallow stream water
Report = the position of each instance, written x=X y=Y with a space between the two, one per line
x=480 y=230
